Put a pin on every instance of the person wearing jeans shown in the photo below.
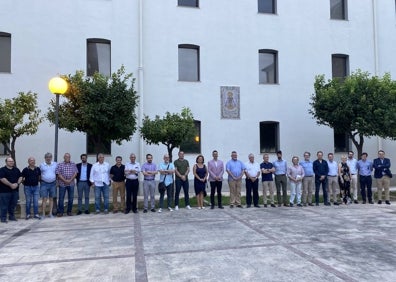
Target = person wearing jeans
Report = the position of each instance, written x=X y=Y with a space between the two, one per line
x=182 y=168
x=166 y=170
x=83 y=184
x=31 y=177
x=100 y=177
x=66 y=172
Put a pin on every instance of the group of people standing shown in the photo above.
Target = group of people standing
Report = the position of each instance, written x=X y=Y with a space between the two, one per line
x=304 y=177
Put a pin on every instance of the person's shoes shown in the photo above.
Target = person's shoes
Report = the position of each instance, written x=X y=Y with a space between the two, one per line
x=69 y=214
x=239 y=206
x=27 y=217
x=160 y=210
x=364 y=202
x=170 y=209
x=387 y=202
x=97 y=212
x=87 y=212
x=176 y=208
x=106 y=212
x=152 y=210
x=188 y=207
x=379 y=202
x=356 y=202
x=231 y=206
x=336 y=204
x=79 y=212
x=144 y=211
x=285 y=205
x=126 y=211
x=135 y=211
x=212 y=207
x=371 y=202
x=257 y=206
x=203 y=207
x=36 y=216
x=248 y=206
x=51 y=215
x=13 y=218
x=291 y=205
x=311 y=205
x=299 y=205
x=221 y=207
x=265 y=205
x=199 y=208
x=327 y=204
x=116 y=211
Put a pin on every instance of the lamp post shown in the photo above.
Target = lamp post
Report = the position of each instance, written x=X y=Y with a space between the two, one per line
x=57 y=86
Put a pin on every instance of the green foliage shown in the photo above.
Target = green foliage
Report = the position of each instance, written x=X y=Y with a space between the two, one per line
x=360 y=105
x=18 y=116
x=171 y=130
x=101 y=106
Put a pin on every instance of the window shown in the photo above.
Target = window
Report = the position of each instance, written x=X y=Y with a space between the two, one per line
x=95 y=145
x=5 y=52
x=267 y=6
x=339 y=65
x=341 y=142
x=268 y=66
x=98 y=56
x=269 y=136
x=3 y=150
x=188 y=62
x=338 y=9
x=188 y=3
x=193 y=145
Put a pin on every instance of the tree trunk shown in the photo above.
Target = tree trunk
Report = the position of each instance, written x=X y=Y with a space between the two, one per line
x=358 y=145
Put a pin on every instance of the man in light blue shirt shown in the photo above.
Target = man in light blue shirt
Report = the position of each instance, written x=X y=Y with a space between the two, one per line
x=332 y=178
x=166 y=170
x=365 y=167
x=235 y=169
x=352 y=164
x=308 y=180
x=281 y=179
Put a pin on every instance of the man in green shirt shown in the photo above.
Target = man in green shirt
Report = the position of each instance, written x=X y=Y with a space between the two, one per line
x=182 y=168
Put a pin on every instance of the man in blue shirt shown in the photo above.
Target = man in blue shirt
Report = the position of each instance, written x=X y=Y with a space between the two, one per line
x=267 y=169
x=365 y=167
x=235 y=169
x=321 y=169
x=308 y=180
x=281 y=179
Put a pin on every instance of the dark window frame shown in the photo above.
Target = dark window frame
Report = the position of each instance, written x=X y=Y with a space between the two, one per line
x=274 y=53
x=6 y=68
x=91 y=70
x=261 y=10
x=198 y=59
x=193 y=146
x=271 y=146
x=344 y=13
x=186 y=3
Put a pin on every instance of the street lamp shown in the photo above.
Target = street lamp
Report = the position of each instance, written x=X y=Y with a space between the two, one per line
x=57 y=86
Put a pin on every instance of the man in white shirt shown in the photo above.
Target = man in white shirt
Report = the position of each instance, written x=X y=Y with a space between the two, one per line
x=252 y=173
x=352 y=164
x=48 y=183
x=132 y=170
x=100 y=177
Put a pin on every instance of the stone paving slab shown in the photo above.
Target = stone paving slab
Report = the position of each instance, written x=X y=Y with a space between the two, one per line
x=337 y=243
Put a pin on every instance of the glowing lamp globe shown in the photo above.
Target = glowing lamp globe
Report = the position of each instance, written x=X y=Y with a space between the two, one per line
x=57 y=85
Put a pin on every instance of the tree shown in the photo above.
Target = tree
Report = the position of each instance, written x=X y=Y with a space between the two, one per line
x=171 y=130
x=359 y=105
x=18 y=116
x=101 y=106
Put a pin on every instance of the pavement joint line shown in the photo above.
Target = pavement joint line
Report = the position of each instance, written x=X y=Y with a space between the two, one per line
x=140 y=259
x=81 y=229
x=16 y=235
x=313 y=260
x=32 y=263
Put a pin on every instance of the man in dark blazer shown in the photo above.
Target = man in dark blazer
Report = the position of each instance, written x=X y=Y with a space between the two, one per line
x=83 y=184
x=382 y=174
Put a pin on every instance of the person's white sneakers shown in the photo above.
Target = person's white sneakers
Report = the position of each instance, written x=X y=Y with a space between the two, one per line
x=176 y=208
x=188 y=207
x=160 y=210
x=199 y=208
x=203 y=208
x=170 y=209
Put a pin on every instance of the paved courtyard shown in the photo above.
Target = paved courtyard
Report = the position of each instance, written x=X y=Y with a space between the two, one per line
x=337 y=243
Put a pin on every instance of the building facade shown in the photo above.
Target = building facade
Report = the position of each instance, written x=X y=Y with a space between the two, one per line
x=245 y=68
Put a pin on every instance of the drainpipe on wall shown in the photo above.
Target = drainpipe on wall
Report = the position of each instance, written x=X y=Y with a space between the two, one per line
x=140 y=80
x=375 y=49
